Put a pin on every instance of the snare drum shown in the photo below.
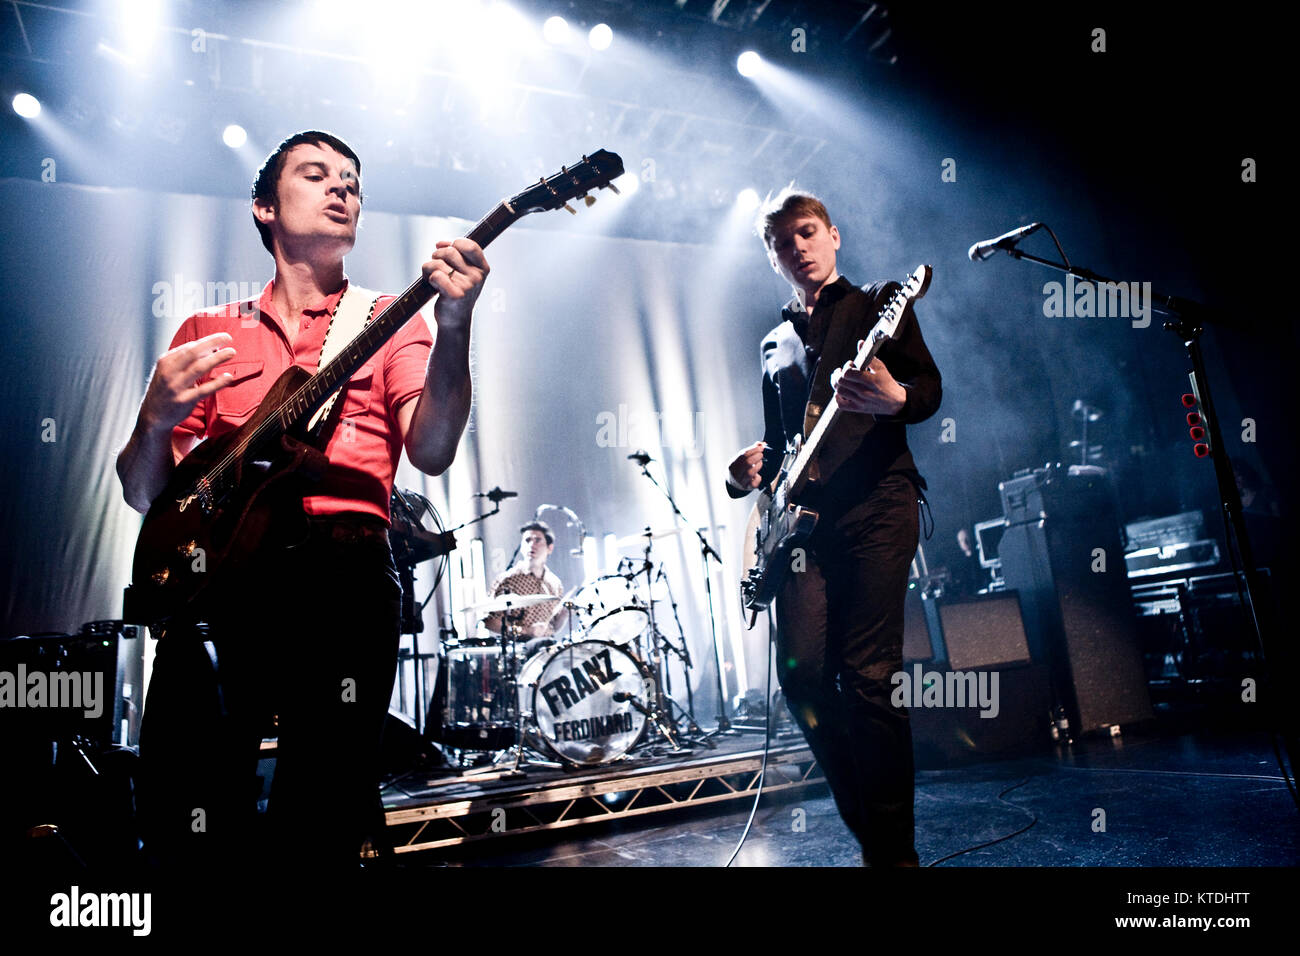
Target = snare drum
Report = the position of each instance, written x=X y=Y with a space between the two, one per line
x=583 y=701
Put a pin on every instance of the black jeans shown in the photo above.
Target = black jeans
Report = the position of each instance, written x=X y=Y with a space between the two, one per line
x=839 y=641
x=304 y=648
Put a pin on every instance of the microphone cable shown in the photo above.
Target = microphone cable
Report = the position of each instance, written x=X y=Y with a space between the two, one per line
x=767 y=742
x=1033 y=820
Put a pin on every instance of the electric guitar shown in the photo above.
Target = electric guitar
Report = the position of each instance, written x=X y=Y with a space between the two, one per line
x=233 y=493
x=778 y=523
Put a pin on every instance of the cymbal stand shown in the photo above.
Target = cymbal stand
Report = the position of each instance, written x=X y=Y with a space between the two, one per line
x=683 y=652
x=658 y=705
x=706 y=552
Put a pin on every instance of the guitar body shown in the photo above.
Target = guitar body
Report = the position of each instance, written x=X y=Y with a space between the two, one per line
x=189 y=540
x=777 y=526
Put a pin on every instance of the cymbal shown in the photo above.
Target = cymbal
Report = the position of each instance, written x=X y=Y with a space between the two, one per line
x=647 y=534
x=506 y=602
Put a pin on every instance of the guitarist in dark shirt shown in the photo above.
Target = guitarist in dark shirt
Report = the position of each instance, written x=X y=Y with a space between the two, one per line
x=840 y=610
x=308 y=632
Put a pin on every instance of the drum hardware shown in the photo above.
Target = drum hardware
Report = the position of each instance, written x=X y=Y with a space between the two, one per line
x=706 y=551
x=590 y=699
x=636 y=539
x=505 y=604
x=683 y=653
x=571 y=520
x=661 y=715
x=413 y=544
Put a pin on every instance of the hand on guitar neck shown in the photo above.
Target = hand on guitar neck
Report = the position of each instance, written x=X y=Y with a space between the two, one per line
x=456 y=270
x=871 y=389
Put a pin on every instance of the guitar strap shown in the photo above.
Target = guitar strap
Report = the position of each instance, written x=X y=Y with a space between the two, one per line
x=836 y=336
x=354 y=311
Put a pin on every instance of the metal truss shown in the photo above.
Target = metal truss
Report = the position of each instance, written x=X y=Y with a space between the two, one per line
x=596 y=797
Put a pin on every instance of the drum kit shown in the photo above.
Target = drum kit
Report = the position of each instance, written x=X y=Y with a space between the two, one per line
x=592 y=692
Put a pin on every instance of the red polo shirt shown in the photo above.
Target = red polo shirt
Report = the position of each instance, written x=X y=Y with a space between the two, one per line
x=365 y=447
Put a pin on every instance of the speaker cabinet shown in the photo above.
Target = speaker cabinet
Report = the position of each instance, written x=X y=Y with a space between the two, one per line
x=1079 y=620
x=984 y=631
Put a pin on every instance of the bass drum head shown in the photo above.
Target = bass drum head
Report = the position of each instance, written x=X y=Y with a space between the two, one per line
x=573 y=705
x=620 y=626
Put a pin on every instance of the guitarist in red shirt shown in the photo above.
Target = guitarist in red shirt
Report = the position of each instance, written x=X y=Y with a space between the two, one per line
x=303 y=643
x=840 y=608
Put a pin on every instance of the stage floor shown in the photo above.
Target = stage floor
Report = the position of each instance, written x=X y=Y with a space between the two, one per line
x=1169 y=800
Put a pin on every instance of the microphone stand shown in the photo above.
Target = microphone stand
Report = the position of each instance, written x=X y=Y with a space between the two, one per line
x=684 y=655
x=1187 y=319
x=706 y=551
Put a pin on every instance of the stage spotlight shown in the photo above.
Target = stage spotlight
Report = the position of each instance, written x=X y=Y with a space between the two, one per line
x=747 y=200
x=556 y=30
x=140 y=21
x=27 y=106
x=600 y=37
x=627 y=184
x=234 y=136
x=748 y=63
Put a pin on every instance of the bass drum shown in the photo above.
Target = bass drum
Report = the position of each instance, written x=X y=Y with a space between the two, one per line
x=572 y=709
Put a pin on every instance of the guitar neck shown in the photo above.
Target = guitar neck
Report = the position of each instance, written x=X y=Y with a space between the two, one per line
x=799 y=471
x=303 y=403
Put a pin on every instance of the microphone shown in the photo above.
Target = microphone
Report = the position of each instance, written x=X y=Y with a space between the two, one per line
x=1003 y=243
x=496 y=495
x=622 y=697
x=640 y=457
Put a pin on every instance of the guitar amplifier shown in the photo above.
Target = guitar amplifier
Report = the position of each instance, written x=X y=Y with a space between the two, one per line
x=1052 y=489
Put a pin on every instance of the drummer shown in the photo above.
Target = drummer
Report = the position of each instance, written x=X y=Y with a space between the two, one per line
x=529 y=575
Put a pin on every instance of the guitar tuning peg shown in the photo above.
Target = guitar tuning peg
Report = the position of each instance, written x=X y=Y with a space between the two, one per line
x=613 y=187
x=570 y=209
x=589 y=201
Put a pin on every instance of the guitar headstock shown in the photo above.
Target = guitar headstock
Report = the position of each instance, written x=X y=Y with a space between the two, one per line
x=918 y=283
x=571 y=182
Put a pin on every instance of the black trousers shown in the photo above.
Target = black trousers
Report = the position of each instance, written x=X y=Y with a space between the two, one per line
x=304 y=648
x=839 y=641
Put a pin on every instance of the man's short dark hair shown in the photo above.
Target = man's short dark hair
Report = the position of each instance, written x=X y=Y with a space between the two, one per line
x=541 y=526
x=266 y=185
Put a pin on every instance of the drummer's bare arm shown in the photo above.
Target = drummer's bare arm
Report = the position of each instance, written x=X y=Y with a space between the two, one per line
x=561 y=613
x=493 y=621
